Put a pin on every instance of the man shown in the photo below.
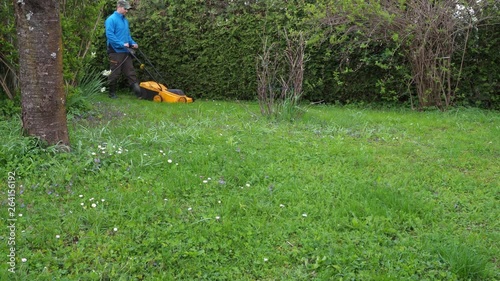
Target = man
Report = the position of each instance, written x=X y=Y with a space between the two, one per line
x=118 y=42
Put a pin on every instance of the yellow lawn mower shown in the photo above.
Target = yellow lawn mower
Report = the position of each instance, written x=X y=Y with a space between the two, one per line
x=155 y=91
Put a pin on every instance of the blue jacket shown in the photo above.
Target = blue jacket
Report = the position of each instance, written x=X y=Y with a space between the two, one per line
x=118 y=32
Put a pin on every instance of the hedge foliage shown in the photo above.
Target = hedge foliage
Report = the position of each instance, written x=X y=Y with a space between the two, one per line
x=209 y=49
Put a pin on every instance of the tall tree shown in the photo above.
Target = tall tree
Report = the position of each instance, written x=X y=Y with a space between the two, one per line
x=41 y=70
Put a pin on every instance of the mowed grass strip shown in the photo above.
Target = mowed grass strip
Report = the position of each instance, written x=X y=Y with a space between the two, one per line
x=213 y=191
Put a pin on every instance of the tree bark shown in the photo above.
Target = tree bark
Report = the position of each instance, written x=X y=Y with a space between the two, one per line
x=41 y=70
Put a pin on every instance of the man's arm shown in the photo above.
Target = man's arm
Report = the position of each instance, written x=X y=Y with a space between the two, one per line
x=132 y=42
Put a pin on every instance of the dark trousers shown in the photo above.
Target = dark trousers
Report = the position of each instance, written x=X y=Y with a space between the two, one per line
x=121 y=63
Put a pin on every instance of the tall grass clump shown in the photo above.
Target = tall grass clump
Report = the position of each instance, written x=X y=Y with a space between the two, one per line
x=464 y=260
x=278 y=96
x=79 y=99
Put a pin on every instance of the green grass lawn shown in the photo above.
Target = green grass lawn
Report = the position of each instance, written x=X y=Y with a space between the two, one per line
x=213 y=191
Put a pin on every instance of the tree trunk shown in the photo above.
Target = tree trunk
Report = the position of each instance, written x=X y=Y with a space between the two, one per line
x=41 y=70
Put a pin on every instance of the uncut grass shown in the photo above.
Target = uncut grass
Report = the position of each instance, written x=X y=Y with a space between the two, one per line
x=209 y=191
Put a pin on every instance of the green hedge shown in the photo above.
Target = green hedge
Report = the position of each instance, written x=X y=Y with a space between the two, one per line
x=209 y=49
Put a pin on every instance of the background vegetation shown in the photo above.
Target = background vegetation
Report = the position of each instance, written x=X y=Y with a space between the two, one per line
x=210 y=48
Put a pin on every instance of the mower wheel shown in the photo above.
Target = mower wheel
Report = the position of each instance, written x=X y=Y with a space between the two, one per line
x=157 y=98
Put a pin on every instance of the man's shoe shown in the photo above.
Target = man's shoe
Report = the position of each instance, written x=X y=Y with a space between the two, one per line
x=136 y=89
x=112 y=91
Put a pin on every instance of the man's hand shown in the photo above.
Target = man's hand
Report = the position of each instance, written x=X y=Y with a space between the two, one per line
x=135 y=46
x=126 y=45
